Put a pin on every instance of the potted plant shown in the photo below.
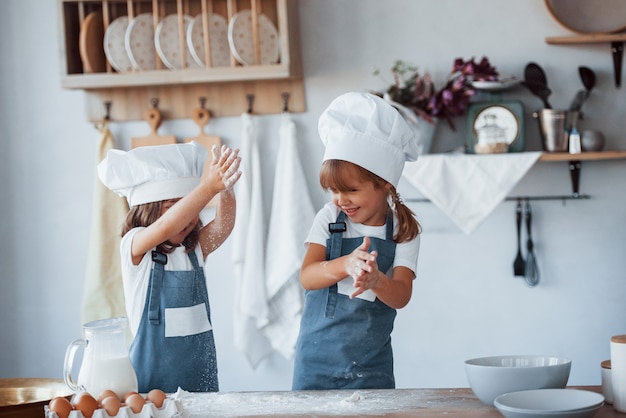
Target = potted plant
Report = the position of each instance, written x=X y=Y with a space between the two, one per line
x=416 y=92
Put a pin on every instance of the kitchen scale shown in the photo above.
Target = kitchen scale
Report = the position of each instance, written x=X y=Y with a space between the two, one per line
x=494 y=118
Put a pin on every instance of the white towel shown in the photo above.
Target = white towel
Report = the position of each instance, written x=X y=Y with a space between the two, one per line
x=251 y=310
x=291 y=218
x=468 y=187
x=104 y=294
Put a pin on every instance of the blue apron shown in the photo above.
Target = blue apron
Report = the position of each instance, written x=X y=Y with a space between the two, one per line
x=346 y=343
x=166 y=363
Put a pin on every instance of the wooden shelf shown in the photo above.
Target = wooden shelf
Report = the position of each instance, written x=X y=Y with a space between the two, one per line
x=583 y=156
x=225 y=89
x=586 y=39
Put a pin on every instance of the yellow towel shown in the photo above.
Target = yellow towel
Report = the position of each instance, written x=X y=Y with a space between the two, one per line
x=104 y=293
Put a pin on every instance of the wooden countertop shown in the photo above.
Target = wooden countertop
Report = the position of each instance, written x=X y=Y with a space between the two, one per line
x=398 y=403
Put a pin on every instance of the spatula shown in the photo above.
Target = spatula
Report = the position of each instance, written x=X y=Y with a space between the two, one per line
x=519 y=263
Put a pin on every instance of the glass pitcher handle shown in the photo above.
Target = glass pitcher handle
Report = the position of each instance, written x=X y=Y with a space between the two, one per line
x=69 y=362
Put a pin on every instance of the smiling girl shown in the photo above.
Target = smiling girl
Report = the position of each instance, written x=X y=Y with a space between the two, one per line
x=361 y=251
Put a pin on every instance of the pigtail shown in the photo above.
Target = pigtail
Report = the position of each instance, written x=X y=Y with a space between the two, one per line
x=408 y=225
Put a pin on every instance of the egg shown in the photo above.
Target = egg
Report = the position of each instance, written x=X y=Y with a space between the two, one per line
x=85 y=403
x=127 y=394
x=61 y=406
x=111 y=404
x=135 y=402
x=105 y=394
x=157 y=397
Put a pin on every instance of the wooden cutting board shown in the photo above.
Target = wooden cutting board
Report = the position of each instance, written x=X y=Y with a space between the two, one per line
x=90 y=43
x=153 y=116
x=201 y=117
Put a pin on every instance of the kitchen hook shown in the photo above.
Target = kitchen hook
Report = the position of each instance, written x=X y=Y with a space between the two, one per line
x=107 y=110
x=285 y=97
x=202 y=102
x=250 y=98
x=154 y=102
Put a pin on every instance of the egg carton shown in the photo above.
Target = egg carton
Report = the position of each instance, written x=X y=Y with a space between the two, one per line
x=171 y=408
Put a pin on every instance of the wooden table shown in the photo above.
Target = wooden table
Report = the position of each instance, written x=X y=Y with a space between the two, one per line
x=351 y=403
x=26 y=397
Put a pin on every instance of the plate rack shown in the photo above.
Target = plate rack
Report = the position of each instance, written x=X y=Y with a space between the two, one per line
x=226 y=90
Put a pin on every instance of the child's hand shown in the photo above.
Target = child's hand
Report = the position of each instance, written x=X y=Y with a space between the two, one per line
x=224 y=167
x=362 y=267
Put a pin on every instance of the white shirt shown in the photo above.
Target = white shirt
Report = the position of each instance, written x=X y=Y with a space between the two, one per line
x=406 y=252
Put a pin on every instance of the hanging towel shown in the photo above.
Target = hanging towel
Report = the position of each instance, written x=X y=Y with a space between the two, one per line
x=251 y=308
x=104 y=294
x=291 y=217
x=468 y=187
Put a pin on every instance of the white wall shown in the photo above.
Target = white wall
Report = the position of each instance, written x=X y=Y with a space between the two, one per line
x=466 y=302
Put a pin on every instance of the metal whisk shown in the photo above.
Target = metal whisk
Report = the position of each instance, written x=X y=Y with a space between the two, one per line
x=531 y=270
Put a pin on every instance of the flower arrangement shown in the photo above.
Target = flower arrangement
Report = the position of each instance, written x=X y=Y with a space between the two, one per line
x=417 y=92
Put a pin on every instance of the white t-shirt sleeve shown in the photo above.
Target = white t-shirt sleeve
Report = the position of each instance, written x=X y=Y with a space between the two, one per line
x=135 y=279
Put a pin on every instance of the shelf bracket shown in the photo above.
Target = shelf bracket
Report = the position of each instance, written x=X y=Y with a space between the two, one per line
x=574 y=172
x=617 y=49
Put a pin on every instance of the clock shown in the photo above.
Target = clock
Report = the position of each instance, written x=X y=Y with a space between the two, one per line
x=496 y=121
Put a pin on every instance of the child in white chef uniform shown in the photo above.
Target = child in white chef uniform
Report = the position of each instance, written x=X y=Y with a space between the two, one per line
x=163 y=248
x=361 y=250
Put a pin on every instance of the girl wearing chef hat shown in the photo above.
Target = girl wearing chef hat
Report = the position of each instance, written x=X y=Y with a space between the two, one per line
x=361 y=250
x=163 y=249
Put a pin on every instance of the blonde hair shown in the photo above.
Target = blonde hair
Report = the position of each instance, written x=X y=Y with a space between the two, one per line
x=336 y=175
x=146 y=214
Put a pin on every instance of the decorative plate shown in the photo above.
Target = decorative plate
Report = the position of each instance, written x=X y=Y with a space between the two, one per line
x=139 y=42
x=167 y=43
x=115 y=46
x=499 y=85
x=218 y=38
x=241 y=40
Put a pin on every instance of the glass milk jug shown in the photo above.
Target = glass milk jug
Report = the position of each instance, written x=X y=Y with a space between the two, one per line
x=105 y=364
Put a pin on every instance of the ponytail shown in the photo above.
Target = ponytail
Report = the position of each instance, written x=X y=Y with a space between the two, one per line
x=408 y=226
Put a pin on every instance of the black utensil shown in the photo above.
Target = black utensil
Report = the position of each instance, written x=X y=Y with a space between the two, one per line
x=536 y=81
x=588 y=77
x=531 y=273
x=519 y=263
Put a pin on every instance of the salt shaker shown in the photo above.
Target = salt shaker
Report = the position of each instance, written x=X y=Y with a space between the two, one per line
x=574 y=142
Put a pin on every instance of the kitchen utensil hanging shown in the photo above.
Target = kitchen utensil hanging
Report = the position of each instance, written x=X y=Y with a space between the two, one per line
x=153 y=116
x=531 y=271
x=519 y=264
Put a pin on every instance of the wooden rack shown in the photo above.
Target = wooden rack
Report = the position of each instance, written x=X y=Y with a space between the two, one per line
x=225 y=88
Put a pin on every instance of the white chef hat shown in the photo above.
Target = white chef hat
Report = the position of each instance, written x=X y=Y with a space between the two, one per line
x=153 y=173
x=364 y=129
